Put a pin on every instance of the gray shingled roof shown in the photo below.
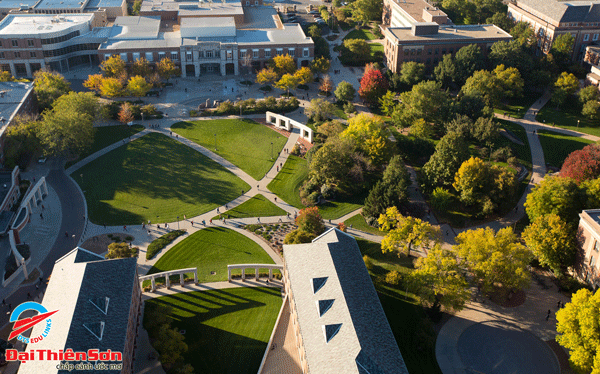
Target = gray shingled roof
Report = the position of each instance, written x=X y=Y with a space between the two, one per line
x=561 y=11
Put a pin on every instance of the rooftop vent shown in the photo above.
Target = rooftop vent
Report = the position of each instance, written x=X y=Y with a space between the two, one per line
x=317 y=283
x=331 y=331
x=96 y=328
x=2 y=93
x=324 y=305
x=101 y=303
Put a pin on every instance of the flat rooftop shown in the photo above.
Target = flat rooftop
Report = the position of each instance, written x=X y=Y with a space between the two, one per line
x=415 y=8
x=259 y=17
x=451 y=34
x=291 y=33
x=97 y=4
x=14 y=94
x=565 y=11
x=16 y=4
x=135 y=27
x=162 y=40
x=40 y=24
x=61 y=4
x=195 y=8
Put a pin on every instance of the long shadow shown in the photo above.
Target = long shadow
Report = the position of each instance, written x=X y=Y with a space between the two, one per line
x=212 y=349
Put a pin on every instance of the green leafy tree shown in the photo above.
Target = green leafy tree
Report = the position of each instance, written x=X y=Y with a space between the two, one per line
x=331 y=163
x=141 y=67
x=426 y=100
x=366 y=10
x=501 y=20
x=137 y=86
x=468 y=60
x=309 y=220
x=511 y=54
x=562 y=48
x=555 y=195
x=298 y=237
x=589 y=93
x=552 y=241
x=304 y=75
x=65 y=132
x=287 y=82
x=441 y=199
x=438 y=279
x=450 y=153
x=93 y=82
x=524 y=34
x=166 y=68
x=591 y=110
x=81 y=102
x=320 y=65
x=387 y=103
x=319 y=109
x=111 y=87
x=21 y=141
x=6 y=76
x=371 y=136
x=49 y=86
x=445 y=72
x=495 y=258
x=345 y=92
x=579 y=331
x=314 y=31
x=421 y=129
x=566 y=85
x=136 y=7
x=412 y=72
x=170 y=344
x=485 y=129
x=121 y=250
x=359 y=48
x=113 y=67
x=404 y=232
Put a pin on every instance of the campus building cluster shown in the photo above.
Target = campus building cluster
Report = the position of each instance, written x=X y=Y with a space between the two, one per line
x=200 y=37
x=414 y=30
x=98 y=307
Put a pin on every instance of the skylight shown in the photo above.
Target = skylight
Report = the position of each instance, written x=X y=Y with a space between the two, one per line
x=324 y=305
x=101 y=303
x=96 y=328
x=331 y=331
x=318 y=283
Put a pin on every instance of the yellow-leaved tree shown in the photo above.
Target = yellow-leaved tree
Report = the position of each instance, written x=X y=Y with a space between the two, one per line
x=404 y=232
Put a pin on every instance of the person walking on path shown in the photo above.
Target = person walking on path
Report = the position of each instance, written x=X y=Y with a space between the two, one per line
x=548 y=315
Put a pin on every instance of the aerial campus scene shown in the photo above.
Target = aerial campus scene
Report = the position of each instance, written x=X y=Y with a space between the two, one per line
x=303 y=186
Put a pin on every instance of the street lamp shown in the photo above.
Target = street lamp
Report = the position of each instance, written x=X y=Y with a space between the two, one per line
x=177 y=222
x=271 y=150
x=215 y=142
x=577 y=123
x=81 y=175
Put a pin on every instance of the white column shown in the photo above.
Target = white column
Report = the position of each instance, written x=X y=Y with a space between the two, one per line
x=223 y=71
x=197 y=69
x=228 y=274
x=196 y=276
x=256 y=273
x=243 y=274
x=181 y=279
x=168 y=280
x=45 y=186
x=270 y=274
x=25 y=270
x=153 y=285
x=13 y=71
x=28 y=69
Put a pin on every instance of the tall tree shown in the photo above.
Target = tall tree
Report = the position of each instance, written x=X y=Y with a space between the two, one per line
x=126 y=113
x=591 y=110
x=501 y=20
x=445 y=72
x=287 y=82
x=137 y=86
x=266 y=75
x=345 y=92
x=412 y=72
x=326 y=85
x=496 y=258
x=524 y=34
x=111 y=87
x=404 y=232
x=113 y=67
x=320 y=65
x=373 y=85
x=450 y=153
x=438 y=279
x=166 y=68
x=359 y=48
x=468 y=60
x=552 y=241
x=555 y=195
x=371 y=137
x=589 y=93
x=141 y=67
x=391 y=190
x=284 y=64
x=562 y=48
x=319 y=110
x=579 y=331
x=426 y=100
x=81 y=102
x=49 y=86
x=566 y=85
x=93 y=82
x=366 y=10
x=21 y=141
x=304 y=75
x=310 y=220
x=65 y=132
x=582 y=164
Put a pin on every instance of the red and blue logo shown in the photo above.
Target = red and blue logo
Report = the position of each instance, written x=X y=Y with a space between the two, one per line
x=22 y=325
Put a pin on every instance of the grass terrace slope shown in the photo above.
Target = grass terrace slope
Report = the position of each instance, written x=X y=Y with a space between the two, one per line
x=154 y=178
x=212 y=249
x=227 y=330
x=288 y=181
x=244 y=143
x=257 y=206
x=558 y=146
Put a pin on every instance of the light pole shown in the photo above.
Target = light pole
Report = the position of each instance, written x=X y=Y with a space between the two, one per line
x=215 y=142
x=577 y=123
x=81 y=175
x=177 y=222
x=271 y=150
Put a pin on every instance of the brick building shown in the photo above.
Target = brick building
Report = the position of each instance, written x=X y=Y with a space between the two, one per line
x=550 y=18
x=16 y=98
x=98 y=303
x=405 y=13
x=589 y=232
x=428 y=42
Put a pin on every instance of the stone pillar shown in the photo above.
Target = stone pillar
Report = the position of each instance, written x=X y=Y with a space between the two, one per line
x=181 y=279
x=183 y=75
x=168 y=280
x=33 y=200
x=13 y=71
x=196 y=276
x=28 y=69
x=228 y=274
x=223 y=70
x=243 y=274
x=153 y=285
x=45 y=186
x=256 y=276
x=270 y=274
x=197 y=69
x=236 y=66
x=25 y=269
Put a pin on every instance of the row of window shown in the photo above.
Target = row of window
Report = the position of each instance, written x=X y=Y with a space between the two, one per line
x=586 y=37
x=147 y=55
x=71 y=49
x=58 y=39
x=435 y=51
x=278 y=51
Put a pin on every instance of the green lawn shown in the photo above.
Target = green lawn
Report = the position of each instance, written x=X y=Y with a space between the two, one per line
x=377 y=54
x=105 y=136
x=337 y=209
x=154 y=178
x=257 y=206
x=516 y=108
x=521 y=152
x=411 y=327
x=245 y=143
x=364 y=34
x=212 y=249
x=288 y=181
x=567 y=117
x=226 y=330
x=358 y=222
x=558 y=146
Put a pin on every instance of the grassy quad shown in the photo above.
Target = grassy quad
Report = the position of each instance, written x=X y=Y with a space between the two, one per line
x=288 y=181
x=517 y=107
x=154 y=178
x=557 y=146
x=358 y=223
x=257 y=206
x=227 y=330
x=244 y=143
x=364 y=34
x=567 y=117
x=212 y=249
x=105 y=136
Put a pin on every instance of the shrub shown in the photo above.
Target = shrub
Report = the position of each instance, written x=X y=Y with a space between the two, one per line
x=298 y=237
x=349 y=108
x=441 y=199
x=162 y=242
x=393 y=278
x=313 y=198
x=296 y=150
x=328 y=191
x=121 y=250
x=368 y=262
x=226 y=107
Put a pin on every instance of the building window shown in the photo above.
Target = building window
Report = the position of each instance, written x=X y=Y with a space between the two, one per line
x=255 y=53
x=247 y=2
x=586 y=37
x=279 y=51
x=305 y=52
x=429 y=51
x=15 y=43
x=406 y=52
x=149 y=56
x=595 y=37
x=596 y=246
x=161 y=55
x=255 y=2
x=437 y=51
x=267 y=53
x=592 y=261
x=30 y=42
x=123 y=56
x=209 y=54
x=292 y=52
x=242 y=53
x=174 y=56
x=188 y=56
x=1 y=54
x=136 y=56
x=32 y=54
x=229 y=55
x=17 y=54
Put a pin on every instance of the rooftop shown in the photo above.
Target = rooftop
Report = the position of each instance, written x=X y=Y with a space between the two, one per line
x=290 y=34
x=97 y=4
x=474 y=33
x=61 y=4
x=259 y=17
x=195 y=8
x=352 y=334
x=135 y=27
x=415 y=8
x=41 y=24
x=79 y=287
x=565 y=11
x=16 y=4
x=12 y=95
